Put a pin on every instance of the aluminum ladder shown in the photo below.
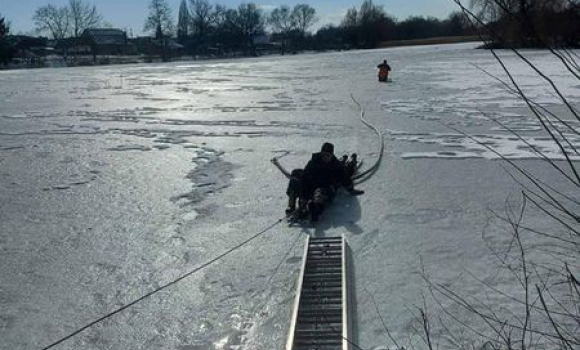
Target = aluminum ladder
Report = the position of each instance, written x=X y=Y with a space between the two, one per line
x=320 y=317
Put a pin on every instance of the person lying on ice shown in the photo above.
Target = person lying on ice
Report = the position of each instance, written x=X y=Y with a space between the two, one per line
x=316 y=185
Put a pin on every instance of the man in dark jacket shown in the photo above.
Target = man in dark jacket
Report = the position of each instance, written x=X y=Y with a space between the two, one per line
x=320 y=180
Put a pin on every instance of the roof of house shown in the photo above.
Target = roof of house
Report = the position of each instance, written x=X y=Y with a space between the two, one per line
x=106 y=36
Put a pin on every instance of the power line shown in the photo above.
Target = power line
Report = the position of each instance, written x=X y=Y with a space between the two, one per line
x=197 y=269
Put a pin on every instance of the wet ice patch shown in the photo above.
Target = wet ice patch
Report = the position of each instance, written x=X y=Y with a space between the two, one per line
x=237 y=337
x=161 y=147
x=7 y=321
x=420 y=216
x=130 y=147
x=488 y=146
x=448 y=155
x=10 y=148
x=191 y=216
x=72 y=182
x=209 y=175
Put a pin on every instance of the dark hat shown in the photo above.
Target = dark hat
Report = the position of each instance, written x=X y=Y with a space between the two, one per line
x=327 y=147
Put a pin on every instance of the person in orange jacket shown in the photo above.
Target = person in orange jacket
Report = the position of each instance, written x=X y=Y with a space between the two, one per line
x=384 y=70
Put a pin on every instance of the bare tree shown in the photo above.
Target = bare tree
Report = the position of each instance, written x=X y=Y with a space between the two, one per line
x=350 y=19
x=52 y=19
x=304 y=16
x=530 y=22
x=82 y=16
x=282 y=23
x=242 y=24
x=486 y=10
x=159 y=19
x=220 y=17
x=202 y=16
x=5 y=48
x=249 y=20
x=183 y=20
x=4 y=28
x=281 y=20
x=370 y=13
x=366 y=27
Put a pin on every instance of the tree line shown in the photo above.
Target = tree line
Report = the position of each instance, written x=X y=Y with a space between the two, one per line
x=6 y=50
x=528 y=23
x=206 y=28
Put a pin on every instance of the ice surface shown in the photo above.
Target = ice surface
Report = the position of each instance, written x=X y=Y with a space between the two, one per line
x=490 y=146
x=115 y=180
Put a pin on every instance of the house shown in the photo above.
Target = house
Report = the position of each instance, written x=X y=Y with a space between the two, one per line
x=34 y=52
x=260 y=39
x=151 y=46
x=107 y=41
x=74 y=46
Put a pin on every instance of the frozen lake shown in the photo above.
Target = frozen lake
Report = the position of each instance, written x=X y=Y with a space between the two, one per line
x=116 y=180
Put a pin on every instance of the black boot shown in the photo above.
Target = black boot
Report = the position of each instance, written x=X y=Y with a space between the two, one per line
x=302 y=211
x=315 y=210
x=291 y=205
x=352 y=163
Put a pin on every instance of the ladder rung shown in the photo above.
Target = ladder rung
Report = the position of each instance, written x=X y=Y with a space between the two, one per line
x=334 y=249
x=322 y=264
x=318 y=347
x=319 y=327
x=325 y=239
x=325 y=293
x=319 y=312
x=313 y=299
x=315 y=342
x=323 y=276
x=325 y=254
x=317 y=285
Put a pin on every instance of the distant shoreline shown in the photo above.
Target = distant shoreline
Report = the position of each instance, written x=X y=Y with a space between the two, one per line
x=79 y=61
x=429 y=41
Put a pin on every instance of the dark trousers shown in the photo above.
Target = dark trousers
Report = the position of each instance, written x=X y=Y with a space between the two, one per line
x=302 y=189
x=298 y=187
x=293 y=189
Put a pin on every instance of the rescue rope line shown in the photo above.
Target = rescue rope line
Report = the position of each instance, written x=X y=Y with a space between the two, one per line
x=197 y=269
x=365 y=175
x=265 y=301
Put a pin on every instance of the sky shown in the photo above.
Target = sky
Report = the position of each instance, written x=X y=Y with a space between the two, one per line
x=130 y=14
